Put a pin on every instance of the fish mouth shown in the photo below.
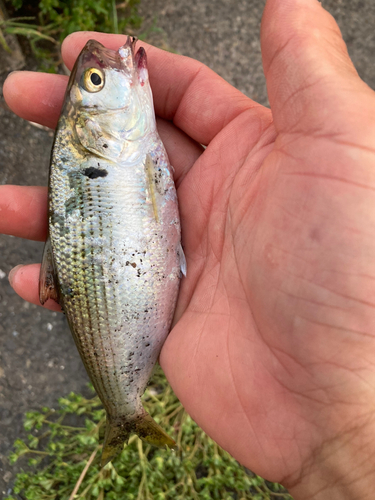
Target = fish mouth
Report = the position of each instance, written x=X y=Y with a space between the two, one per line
x=94 y=54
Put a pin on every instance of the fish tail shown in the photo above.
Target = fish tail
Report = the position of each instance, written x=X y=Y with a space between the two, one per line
x=117 y=433
x=148 y=430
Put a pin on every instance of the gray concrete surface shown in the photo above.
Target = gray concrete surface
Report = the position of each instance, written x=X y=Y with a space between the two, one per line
x=38 y=360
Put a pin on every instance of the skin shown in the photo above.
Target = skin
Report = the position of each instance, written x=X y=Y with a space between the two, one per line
x=273 y=346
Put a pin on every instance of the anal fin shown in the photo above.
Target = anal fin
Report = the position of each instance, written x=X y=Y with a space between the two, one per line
x=48 y=285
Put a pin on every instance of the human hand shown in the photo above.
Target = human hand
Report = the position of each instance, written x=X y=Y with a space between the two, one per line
x=272 y=351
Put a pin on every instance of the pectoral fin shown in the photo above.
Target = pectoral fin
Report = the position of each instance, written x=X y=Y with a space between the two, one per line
x=48 y=284
x=181 y=256
x=149 y=168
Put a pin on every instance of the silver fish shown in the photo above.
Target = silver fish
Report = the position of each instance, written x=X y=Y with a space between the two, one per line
x=113 y=259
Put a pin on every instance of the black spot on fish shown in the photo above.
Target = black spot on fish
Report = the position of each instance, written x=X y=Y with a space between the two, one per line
x=105 y=145
x=94 y=173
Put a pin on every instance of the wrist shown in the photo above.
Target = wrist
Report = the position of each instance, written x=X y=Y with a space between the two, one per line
x=343 y=469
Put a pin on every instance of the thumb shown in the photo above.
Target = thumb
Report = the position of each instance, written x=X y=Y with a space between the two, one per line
x=308 y=70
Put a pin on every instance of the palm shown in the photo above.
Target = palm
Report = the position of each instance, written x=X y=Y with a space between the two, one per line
x=257 y=349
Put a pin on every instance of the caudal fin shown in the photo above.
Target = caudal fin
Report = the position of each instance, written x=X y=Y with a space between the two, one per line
x=116 y=434
x=147 y=429
x=118 y=431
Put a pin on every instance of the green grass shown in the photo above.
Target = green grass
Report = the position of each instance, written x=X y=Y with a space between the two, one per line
x=53 y=20
x=63 y=451
x=58 y=19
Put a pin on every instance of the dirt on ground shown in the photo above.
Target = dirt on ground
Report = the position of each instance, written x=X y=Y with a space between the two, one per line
x=38 y=359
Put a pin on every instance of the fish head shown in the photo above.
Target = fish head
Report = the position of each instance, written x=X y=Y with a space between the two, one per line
x=109 y=101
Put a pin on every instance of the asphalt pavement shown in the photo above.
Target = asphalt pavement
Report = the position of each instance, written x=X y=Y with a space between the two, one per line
x=38 y=359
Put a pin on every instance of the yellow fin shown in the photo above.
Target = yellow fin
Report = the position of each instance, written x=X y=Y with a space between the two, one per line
x=118 y=430
x=116 y=434
x=148 y=430
x=149 y=167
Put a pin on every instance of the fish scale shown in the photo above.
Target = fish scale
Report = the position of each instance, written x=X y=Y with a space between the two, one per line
x=113 y=259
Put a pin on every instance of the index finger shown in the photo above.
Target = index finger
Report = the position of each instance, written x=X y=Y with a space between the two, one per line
x=187 y=92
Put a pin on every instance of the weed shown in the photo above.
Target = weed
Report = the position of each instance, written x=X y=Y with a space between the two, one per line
x=64 y=458
x=54 y=20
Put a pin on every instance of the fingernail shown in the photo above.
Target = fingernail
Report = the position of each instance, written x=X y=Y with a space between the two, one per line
x=13 y=272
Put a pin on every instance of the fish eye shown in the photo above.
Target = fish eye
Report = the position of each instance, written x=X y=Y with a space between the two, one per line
x=93 y=80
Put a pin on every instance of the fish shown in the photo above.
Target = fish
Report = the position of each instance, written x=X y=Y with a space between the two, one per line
x=113 y=258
